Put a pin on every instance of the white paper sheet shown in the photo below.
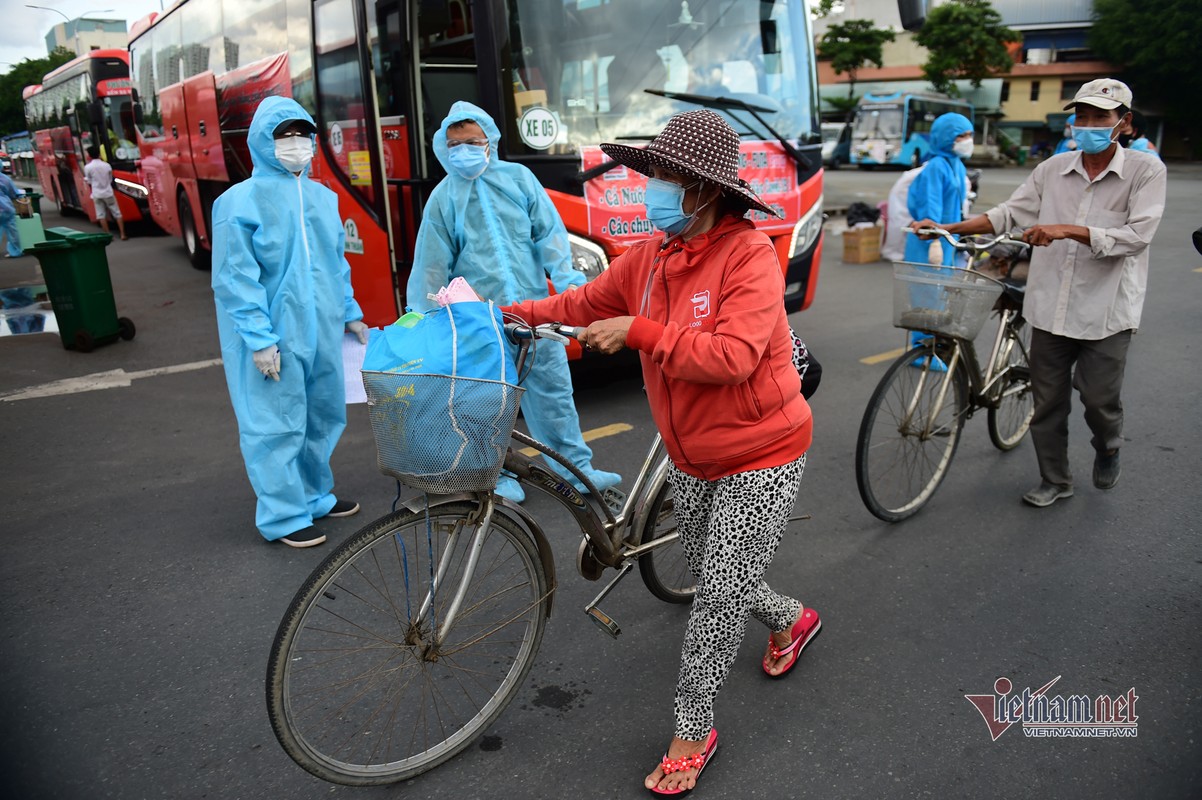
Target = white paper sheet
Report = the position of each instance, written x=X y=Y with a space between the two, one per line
x=352 y=362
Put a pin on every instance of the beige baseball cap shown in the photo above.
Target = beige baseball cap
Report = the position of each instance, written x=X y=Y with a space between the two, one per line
x=1104 y=93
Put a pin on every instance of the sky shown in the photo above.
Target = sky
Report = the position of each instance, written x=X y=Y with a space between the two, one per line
x=23 y=33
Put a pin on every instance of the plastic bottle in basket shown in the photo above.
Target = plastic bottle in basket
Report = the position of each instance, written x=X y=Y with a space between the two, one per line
x=935 y=253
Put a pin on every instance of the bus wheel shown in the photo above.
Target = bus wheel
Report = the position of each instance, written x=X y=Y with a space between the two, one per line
x=200 y=257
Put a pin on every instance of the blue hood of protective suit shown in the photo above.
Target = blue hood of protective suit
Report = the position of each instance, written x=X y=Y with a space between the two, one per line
x=261 y=138
x=944 y=132
x=462 y=111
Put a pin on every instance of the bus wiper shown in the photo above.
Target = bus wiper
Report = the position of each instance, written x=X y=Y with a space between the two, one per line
x=600 y=169
x=607 y=165
x=729 y=103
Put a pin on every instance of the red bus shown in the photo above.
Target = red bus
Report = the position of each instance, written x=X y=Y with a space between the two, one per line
x=86 y=102
x=558 y=76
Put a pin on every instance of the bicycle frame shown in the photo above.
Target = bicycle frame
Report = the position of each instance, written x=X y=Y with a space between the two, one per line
x=981 y=385
x=605 y=535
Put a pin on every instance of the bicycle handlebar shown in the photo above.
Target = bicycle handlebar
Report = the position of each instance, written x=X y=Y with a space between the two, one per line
x=555 y=331
x=964 y=244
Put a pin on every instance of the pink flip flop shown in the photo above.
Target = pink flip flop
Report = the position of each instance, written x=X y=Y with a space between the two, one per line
x=803 y=632
x=698 y=762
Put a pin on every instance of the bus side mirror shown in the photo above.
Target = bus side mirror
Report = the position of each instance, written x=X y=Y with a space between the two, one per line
x=96 y=114
x=913 y=13
x=136 y=105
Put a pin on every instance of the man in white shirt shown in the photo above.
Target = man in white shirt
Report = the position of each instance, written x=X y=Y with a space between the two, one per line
x=99 y=175
x=1090 y=214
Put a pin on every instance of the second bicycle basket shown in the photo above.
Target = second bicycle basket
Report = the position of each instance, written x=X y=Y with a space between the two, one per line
x=944 y=300
x=441 y=434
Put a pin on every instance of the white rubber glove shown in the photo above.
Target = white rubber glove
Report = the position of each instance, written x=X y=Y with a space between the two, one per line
x=358 y=328
x=267 y=361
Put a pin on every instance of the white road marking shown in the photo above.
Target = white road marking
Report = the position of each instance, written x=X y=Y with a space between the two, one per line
x=112 y=379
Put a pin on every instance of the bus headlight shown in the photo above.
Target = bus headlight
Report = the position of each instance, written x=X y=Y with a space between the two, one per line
x=135 y=190
x=587 y=257
x=806 y=231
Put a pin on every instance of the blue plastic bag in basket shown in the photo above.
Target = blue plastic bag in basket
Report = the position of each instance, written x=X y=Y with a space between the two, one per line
x=466 y=340
x=442 y=399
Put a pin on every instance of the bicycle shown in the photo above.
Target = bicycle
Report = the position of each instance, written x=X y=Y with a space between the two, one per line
x=412 y=637
x=911 y=427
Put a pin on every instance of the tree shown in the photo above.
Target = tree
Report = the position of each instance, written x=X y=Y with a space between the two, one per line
x=824 y=7
x=852 y=44
x=27 y=73
x=846 y=106
x=965 y=40
x=1155 y=42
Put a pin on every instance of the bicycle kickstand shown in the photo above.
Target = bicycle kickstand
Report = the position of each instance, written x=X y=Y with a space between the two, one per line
x=599 y=617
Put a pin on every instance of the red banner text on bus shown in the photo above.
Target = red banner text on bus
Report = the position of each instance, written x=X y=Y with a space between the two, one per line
x=615 y=199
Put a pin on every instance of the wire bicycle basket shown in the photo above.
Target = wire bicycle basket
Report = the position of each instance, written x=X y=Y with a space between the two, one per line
x=948 y=301
x=439 y=433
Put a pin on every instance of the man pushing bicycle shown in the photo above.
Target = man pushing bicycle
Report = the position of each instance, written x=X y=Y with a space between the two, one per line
x=1090 y=214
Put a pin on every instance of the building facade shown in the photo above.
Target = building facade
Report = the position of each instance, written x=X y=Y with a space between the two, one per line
x=86 y=34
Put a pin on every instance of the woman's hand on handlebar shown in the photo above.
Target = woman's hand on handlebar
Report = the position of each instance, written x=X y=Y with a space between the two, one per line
x=606 y=336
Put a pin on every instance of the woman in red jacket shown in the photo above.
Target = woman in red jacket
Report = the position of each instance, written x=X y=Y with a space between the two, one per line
x=703 y=307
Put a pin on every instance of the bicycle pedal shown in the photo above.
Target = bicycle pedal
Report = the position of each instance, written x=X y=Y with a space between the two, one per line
x=614 y=498
x=603 y=621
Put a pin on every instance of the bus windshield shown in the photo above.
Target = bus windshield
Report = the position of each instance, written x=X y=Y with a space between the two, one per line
x=878 y=121
x=585 y=64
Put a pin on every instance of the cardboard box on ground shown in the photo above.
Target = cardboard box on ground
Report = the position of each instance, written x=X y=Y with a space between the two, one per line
x=862 y=244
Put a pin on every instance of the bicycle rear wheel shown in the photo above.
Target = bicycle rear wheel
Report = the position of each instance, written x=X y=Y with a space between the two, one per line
x=905 y=443
x=1010 y=419
x=665 y=570
x=357 y=690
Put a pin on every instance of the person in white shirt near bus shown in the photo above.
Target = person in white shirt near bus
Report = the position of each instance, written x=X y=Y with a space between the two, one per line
x=1090 y=215
x=99 y=175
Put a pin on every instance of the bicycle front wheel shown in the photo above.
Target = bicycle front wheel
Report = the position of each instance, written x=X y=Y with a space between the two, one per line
x=665 y=570
x=907 y=439
x=1010 y=419
x=358 y=690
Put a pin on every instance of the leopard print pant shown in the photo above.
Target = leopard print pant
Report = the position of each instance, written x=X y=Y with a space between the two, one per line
x=729 y=529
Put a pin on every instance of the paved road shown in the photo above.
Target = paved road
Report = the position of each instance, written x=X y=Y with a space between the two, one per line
x=141 y=603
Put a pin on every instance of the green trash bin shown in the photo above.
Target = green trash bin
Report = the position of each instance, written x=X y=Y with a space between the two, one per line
x=76 y=271
x=61 y=234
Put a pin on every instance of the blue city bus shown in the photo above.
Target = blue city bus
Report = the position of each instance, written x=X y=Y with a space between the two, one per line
x=893 y=128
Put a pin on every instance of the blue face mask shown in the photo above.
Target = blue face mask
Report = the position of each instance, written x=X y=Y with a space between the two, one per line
x=1092 y=140
x=468 y=160
x=664 y=201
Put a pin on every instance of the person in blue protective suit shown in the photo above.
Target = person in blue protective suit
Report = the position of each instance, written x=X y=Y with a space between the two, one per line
x=939 y=191
x=491 y=222
x=284 y=297
x=8 y=214
x=1132 y=134
x=1067 y=144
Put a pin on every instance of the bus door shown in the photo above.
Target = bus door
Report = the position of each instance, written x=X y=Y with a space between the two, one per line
x=351 y=156
x=425 y=60
x=68 y=155
x=204 y=128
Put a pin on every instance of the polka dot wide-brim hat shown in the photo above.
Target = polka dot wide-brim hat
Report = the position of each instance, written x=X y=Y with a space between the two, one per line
x=696 y=143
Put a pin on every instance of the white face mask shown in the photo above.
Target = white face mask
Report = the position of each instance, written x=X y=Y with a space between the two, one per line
x=294 y=152
x=963 y=148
